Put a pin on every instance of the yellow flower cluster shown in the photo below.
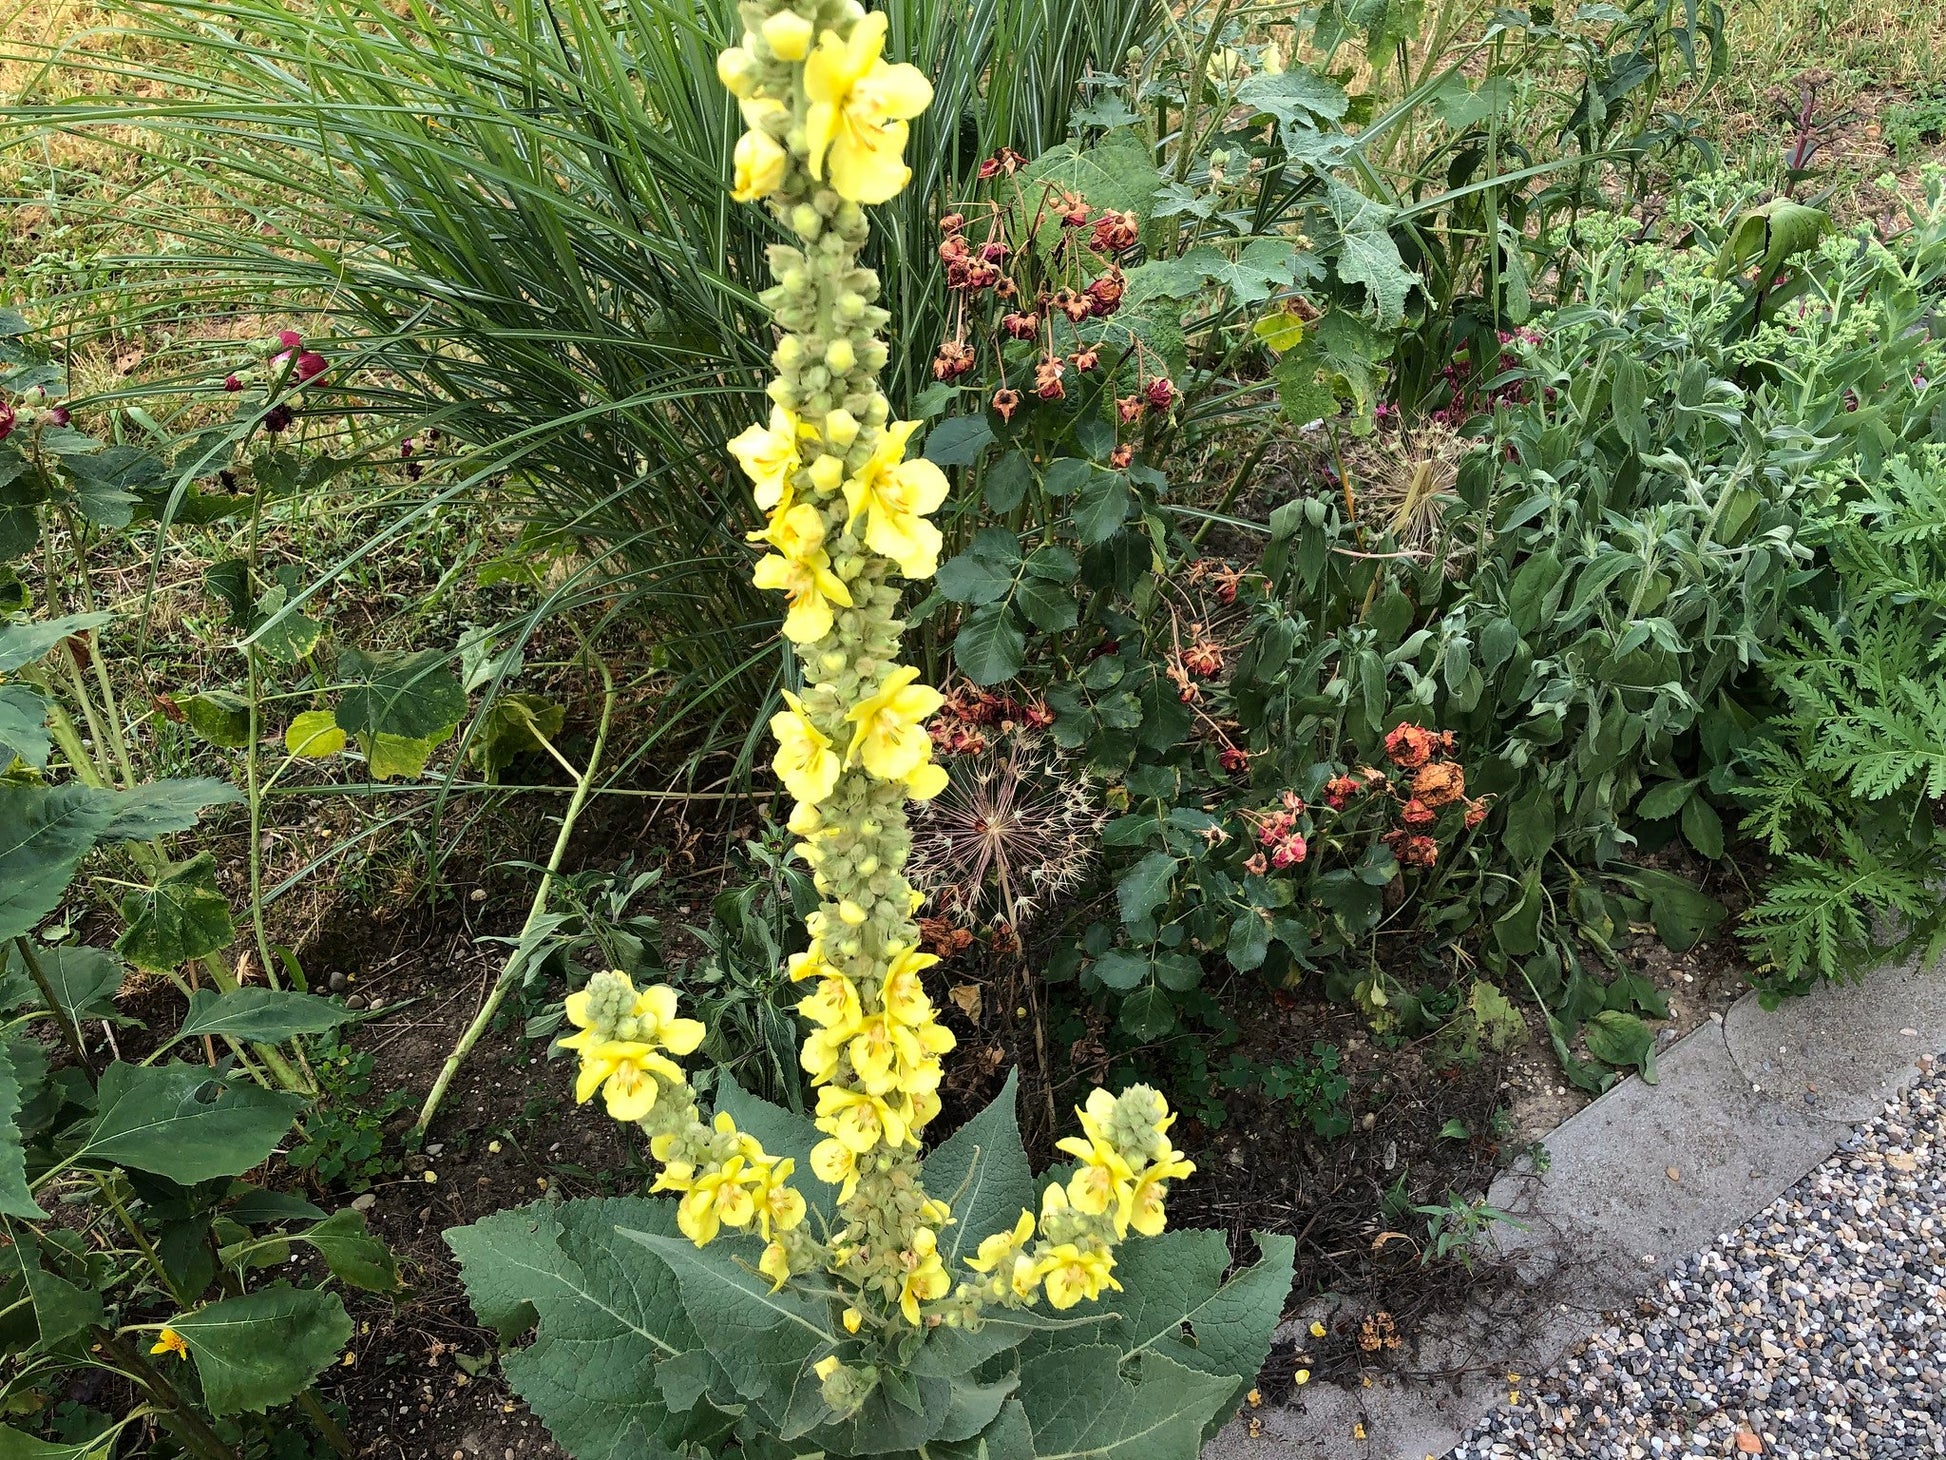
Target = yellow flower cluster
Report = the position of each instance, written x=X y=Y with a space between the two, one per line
x=1126 y=1165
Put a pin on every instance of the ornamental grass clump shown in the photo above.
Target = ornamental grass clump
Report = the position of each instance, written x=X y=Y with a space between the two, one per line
x=904 y=1304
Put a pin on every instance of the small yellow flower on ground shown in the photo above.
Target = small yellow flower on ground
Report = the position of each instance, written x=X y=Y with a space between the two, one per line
x=856 y=127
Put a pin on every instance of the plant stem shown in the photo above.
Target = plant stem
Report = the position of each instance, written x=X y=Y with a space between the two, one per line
x=518 y=958
x=106 y=1185
x=327 y=1426
x=195 y=1435
x=70 y=1031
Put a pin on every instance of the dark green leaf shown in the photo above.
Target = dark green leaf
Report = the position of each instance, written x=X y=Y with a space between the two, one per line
x=981 y=1171
x=85 y=981
x=179 y=1121
x=353 y=1255
x=60 y=1308
x=1102 y=506
x=1530 y=826
x=412 y=696
x=958 y=440
x=15 y=1199
x=183 y=916
x=1702 y=828
x=990 y=647
x=1149 y=1013
x=23 y=726
x=263 y=1348
x=1623 y=1040
x=1145 y=886
x=260 y=1015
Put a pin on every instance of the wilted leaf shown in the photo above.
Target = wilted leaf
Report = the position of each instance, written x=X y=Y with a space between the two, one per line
x=314 y=734
x=513 y=725
x=220 y=716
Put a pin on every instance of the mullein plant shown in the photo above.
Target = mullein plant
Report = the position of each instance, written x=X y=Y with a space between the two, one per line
x=899 y=1329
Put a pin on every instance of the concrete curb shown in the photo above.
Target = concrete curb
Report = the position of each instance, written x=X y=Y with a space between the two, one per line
x=1743 y=1109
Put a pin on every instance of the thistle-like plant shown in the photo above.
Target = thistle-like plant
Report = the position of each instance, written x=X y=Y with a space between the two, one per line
x=901 y=1311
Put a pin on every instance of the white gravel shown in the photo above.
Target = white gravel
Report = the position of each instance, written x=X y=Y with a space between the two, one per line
x=1817 y=1330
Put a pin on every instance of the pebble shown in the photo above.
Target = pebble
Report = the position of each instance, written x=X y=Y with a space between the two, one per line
x=1817 y=1332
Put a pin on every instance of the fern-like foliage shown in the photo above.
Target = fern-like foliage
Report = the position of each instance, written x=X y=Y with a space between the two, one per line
x=1843 y=788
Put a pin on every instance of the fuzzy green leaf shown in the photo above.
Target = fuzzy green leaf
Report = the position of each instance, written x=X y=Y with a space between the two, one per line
x=982 y=1171
x=15 y=1199
x=1082 y=1405
x=263 y=1348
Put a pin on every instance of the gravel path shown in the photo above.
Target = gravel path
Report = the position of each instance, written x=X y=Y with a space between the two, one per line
x=1817 y=1330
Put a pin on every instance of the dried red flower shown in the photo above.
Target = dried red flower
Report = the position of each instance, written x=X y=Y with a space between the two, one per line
x=1234 y=759
x=1076 y=307
x=1417 y=813
x=952 y=223
x=1292 y=850
x=954 y=359
x=952 y=247
x=1115 y=232
x=1439 y=783
x=1410 y=746
x=1047 y=379
x=994 y=251
x=1006 y=162
x=1339 y=790
x=1105 y=294
x=1021 y=325
x=1129 y=408
x=1161 y=392
x=1006 y=288
x=1203 y=659
x=1476 y=812
x=1122 y=455
x=1006 y=402
x=941 y=937
x=1086 y=360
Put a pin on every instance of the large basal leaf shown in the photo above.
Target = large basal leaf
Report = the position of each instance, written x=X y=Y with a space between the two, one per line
x=183 y=916
x=44 y=833
x=15 y=1199
x=60 y=1308
x=982 y=1170
x=1367 y=255
x=1081 y=1403
x=412 y=696
x=23 y=726
x=178 y=1121
x=1175 y=1302
x=22 y=644
x=765 y=1342
x=1116 y=172
x=266 y=1016
x=263 y=1348
x=610 y=1320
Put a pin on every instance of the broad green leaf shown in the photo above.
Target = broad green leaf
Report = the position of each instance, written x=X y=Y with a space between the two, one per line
x=958 y=440
x=265 y=1347
x=183 y=916
x=23 y=643
x=23 y=726
x=1115 y=172
x=1623 y=1040
x=514 y=724
x=1148 y=1013
x=408 y=696
x=1702 y=828
x=1682 y=914
x=1082 y=1406
x=1145 y=886
x=314 y=734
x=15 y=1445
x=1768 y=237
x=265 y=1016
x=765 y=1342
x=1049 y=606
x=1303 y=387
x=609 y=1314
x=1175 y=1301
x=990 y=647
x=1007 y=1438
x=85 y=981
x=162 y=808
x=1530 y=826
x=285 y=634
x=219 y=716
x=353 y=1255
x=179 y=1121
x=60 y=1308
x=1102 y=506
x=1367 y=255
x=981 y=1170
x=1664 y=799
x=44 y=833
x=1296 y=95
x=15 y=1199
x=106 y=482
x=390 y=756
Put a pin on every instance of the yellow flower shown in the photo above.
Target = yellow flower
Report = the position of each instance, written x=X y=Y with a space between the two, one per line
x=903 y=995
x=775 y=1265
x=170 y=1342
x=802 y=568
x=890 y=738
x=856 y=127
x=1273 y=59
x=926 y=1279
x=625 y=1072
x=761 y=163
x=835 y=1006
x=788 y=35
x=894 y=495
x=1072 y=1273
x=825 y=1367
x=836 y=1164
x=821 y=1052
x=1145 y=1206
x=1002 y=1246
x=1104 y=1185
x=860 y=1120
x=768 y=456
x=926 y=782
x=721 y=1198
x=853 y=1320
x=778 y=1205
x=805 y=761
